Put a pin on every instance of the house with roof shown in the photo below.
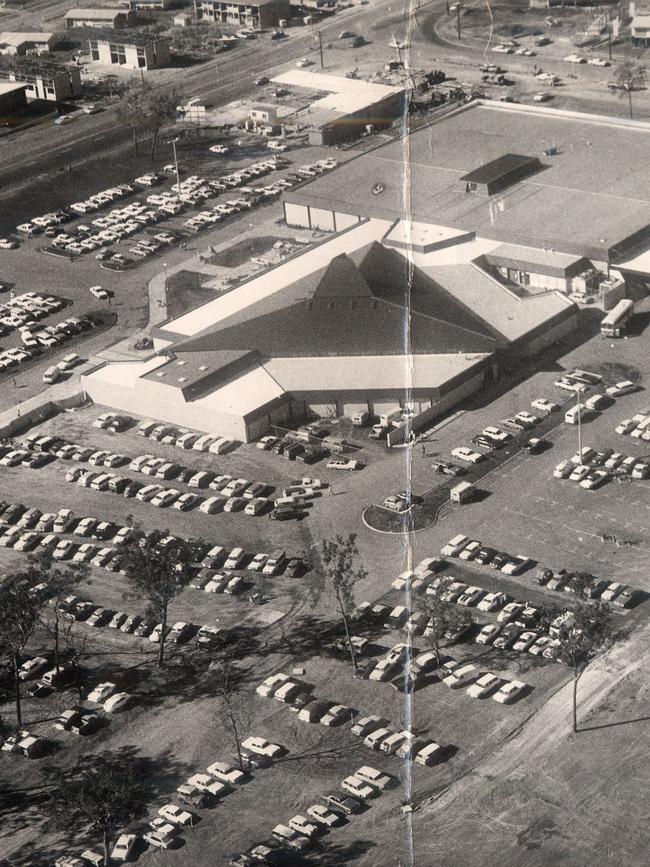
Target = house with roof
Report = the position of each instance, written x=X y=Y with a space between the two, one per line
x=12 y=43
x=108 y=16
x=349 y=107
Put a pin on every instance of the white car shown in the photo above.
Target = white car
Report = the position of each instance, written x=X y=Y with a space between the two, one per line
x=470 y=551
x=206 y=783
x=488 y=633
x=375 y=778
x=117 y=702
x=509 y=691
x=575 y=58
x=544 y=406
x=302 y=825
x=461 y=453
x=226 y=773
x=509 y=613
x=124 y=847
x=486 y=684
x=324 y=816
x=343 y=464
x=542 y=96
x=98 y=292
x=101 y=692
x=262 y=746
x=219 y=149
x=358 y=788
x=624 y=387
x=454 y=546
x=461 y=676
x=303 y=62
x=174 y=814
x=269 y=686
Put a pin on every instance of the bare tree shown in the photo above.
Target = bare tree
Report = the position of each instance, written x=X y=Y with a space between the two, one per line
x=158 y=567
x=340 y=575
x=581 y=640
x=132 y=108
x=628 y=77
x=161 y=110
x=104 y=792
x=19 y=616
x=227 y=680
x=60 y=584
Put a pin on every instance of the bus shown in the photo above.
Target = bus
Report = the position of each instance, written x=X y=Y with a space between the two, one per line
x=613 y=325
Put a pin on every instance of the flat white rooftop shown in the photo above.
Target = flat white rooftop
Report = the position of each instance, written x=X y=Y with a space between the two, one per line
x=344 y=94
x=275 y=279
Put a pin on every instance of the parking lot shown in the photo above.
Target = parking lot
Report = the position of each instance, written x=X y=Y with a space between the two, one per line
x=553 y=521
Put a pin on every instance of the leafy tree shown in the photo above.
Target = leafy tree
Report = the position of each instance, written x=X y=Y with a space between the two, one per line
x=628 y=77
x=19 y=616
x=61 y=582
x=104 y=792
x=581 y=641
x=443 y=617
x=340 y=574
x=158 y=567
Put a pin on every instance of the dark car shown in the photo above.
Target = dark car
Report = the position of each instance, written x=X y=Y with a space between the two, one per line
x=627 y=598
x=499 y=560
x=185 y=475
x=342 y=803
x=485 y=442
x=144 y=629
x=295 y=568
x=132 y=489
x=287 y=513
x=508 y=637
x=594 y=590
x=364 y=670
x=448 y=468
x=253 y=761
x=87 y=724
x=485 y=554
x=36 y=461
x=119 y=484
x=14 y=513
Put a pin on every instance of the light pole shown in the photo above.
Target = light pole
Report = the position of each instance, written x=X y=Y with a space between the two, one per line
x=178 y=177
x=579 y=408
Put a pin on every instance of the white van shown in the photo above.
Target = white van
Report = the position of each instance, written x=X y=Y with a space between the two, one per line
x=51 y=375
x=69 y=362
x=454 y=546
x=560 y=624
x=101 y=482
x=578 y=412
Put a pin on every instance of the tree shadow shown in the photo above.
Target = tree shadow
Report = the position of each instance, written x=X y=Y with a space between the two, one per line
x=343 y=853
x=611 y=725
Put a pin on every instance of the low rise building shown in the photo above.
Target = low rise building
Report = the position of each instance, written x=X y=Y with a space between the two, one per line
x=107 y=17
x=255 y=14
x=54 y=82
x=350 y=107
x=12 y=44
x=144 y=5
x=12 y=98
x=640 y=29
x=131 y=50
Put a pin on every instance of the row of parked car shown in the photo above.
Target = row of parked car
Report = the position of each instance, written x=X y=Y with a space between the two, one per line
x=299 y=697
x=182 y=437
x=302 y=832
x=592 y=468
x=637 y=427
x=201 y=790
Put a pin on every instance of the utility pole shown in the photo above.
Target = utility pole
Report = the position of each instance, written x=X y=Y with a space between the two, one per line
x=609 y=37
x=458 y=20
x=320 y=49
x=579 y=407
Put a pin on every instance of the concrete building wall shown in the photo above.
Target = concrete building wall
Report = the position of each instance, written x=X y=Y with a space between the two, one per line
x=166 y=404
x=53 y=88
x=551 y=335
x=152 y=56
